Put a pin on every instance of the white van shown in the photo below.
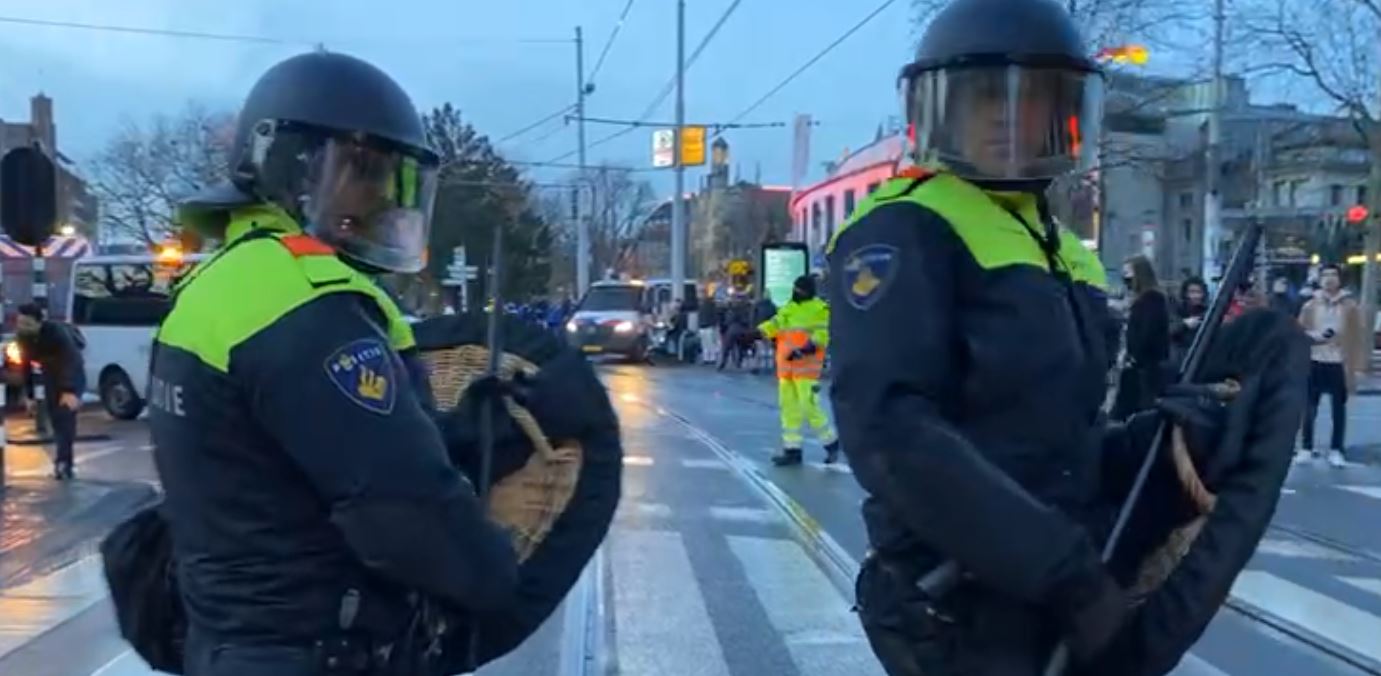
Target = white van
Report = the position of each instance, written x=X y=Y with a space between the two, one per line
x=117 y=303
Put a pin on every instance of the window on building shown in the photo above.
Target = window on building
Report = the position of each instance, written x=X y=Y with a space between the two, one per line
x=1361 y=194
x=829 y=217
x=1187 y=229
x=1278 y=193
x=1186 y=200
x=1296 y=187
x=1335 y=195
x=873 y=187
x=848 y=203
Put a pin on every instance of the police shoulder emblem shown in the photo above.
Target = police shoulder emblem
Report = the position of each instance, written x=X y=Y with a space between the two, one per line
x=363 y=370
x=868 y=272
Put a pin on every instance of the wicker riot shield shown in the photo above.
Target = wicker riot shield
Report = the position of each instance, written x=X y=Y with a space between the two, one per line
x=555 y=496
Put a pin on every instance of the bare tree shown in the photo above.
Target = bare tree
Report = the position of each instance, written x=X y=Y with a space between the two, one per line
x=145 y=170
x=619 y=207
x=1165 y=24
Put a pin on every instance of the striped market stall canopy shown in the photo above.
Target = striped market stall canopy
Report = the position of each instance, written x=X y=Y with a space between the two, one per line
x=60 y=253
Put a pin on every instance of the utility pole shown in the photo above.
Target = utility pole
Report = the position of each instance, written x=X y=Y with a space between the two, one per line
x=1213 y=199
x=582 y=224
x=678 y=216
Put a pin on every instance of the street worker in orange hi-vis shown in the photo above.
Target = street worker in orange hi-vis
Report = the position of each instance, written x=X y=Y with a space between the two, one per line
x=801 y=329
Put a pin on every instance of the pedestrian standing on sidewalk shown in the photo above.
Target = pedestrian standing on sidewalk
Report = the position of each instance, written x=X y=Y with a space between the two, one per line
x=801 y=329
x=1148 y=340
x=56 y=348
x=1189 y=314
x=1333 y=320
x=709 y=330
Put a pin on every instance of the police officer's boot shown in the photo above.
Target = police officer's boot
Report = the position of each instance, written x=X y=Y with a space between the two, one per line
x=832 y=452
x=788 y=457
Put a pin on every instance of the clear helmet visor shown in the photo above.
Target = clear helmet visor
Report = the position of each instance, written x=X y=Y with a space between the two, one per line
x=373 y=202
x=1005 y=122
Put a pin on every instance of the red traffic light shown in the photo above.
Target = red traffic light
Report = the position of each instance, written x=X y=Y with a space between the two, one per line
x=1357 y=214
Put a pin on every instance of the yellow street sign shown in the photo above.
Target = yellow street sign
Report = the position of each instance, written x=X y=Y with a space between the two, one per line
x=693 y=146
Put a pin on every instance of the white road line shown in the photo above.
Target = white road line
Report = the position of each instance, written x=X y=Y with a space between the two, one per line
x=1297 y=549
x=127 y=663
x=634 y=508
x=1369 y=491
x=1341 y=623
x=638 y=460
x=1369 y=584
x=30 y=609
x=663 y=625
x=1193 y=665
x=745 y=514
x=704 y=463
x=821 y=634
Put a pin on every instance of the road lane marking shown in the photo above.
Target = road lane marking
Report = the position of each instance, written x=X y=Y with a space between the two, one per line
x=632 y=508
x=638 y=460
x=1193 y=665
x=1368 y=584
x=35 y=607
x=663 y=624
x=1297 y=549
x=1338 y=622
x=745 y=515
x=704 y=463
x=821 y=634
x=1373 y=492
x=127 y=663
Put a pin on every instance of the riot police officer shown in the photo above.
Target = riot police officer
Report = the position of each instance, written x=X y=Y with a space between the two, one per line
x=318 y=525
x=970 y=354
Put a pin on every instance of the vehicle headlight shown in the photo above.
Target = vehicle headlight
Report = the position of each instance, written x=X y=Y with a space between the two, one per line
x=623 y=327
x=571 y=326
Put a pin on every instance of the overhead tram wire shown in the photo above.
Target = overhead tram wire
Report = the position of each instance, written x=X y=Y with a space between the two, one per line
x=816 y=59
x=671 y=84
x=566 y=109
x=228 y=37
x=609 y=44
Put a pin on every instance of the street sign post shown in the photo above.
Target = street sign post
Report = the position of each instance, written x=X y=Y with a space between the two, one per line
x=459 y=275
x=663 y=148
x=693 y=146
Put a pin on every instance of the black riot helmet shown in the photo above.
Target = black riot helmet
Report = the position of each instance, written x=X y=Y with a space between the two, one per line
x=1004 y=91
x=336 y=143
x=803 y=288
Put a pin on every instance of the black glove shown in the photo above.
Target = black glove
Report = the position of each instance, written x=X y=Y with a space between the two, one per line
x=567 y=398
x=460 y=428
x=1091 y=611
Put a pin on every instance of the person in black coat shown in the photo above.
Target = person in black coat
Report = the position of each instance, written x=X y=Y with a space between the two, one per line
x=53 y=345
x=1189 y=314
x=1147 y=341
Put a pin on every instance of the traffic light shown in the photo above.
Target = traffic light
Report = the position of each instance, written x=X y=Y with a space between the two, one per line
x=30 y=204
x=1356 y=214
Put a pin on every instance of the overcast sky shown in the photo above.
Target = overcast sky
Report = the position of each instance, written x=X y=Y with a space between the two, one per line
x=459 y=51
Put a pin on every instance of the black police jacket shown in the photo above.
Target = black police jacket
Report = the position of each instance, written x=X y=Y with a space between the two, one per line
x=297 y=462
x=969 y=382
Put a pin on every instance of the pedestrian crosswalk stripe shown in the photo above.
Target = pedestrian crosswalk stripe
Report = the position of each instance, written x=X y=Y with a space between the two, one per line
x=30 y=609
x=629 y=508
x=663 y=624
x=638 y=460
x=1369 y=584
x=745 y=514
x=1341 y=623
x=1369 y=491
x=1300 y=549
x=1193 y=665
x=821 y=634
x=703 y=463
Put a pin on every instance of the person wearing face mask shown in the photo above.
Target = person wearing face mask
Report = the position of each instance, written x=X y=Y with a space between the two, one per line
x=1189 y=315
x=1147 y=341
x=801 y=330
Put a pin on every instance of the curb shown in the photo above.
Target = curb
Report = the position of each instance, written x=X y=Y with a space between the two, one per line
x=76 y=534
